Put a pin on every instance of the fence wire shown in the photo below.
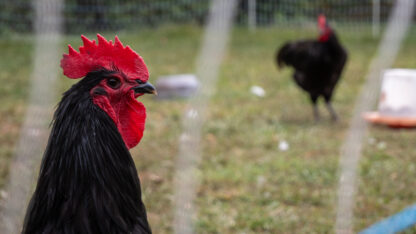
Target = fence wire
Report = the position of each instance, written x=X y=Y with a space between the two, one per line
x=351 y=150
x=24 y=16
x=35 y=131
x=213 y=49
x=93 y=15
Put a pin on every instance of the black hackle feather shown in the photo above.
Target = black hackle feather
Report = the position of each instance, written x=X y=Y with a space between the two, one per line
x=88 y=182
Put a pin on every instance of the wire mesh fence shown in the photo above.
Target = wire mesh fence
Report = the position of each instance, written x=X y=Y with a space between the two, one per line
x=281 y=199
x=87 y=15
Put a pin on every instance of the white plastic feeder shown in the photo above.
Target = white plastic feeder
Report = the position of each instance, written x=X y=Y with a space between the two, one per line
x=397 y=105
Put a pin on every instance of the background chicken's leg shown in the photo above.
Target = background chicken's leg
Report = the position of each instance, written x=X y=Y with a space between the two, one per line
x=331 y=110
x=316 y=115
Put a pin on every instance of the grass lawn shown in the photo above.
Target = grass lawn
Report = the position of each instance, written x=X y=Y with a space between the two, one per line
x=248 y=185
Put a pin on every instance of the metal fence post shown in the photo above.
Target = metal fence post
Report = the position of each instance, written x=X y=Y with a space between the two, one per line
x=252 y=14
x=376 y=18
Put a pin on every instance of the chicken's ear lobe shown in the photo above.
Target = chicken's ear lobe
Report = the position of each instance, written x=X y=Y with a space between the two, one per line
x=104 y=104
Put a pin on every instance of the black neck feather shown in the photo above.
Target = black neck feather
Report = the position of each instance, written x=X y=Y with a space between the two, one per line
x=88 y=182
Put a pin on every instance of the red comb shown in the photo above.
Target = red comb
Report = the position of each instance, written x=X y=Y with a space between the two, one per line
x=321 y=20
x=105 y=55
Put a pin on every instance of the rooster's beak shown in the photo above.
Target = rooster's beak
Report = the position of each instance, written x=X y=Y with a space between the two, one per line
x=145 y=88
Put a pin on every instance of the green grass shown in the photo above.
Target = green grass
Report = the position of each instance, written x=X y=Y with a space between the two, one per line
x=247 y=184
x=15 y=68
x=388 y=167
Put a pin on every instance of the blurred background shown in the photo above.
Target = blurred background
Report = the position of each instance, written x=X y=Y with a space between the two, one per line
x=111 y=15
x=267 y=166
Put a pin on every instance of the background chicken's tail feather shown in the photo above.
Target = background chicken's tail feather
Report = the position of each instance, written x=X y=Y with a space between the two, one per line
x=283 y=55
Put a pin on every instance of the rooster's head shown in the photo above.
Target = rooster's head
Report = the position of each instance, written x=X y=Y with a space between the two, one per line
x=324 y=30
x=122 y=78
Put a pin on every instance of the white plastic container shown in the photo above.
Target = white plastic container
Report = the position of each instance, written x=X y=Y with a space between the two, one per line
x=398 y=93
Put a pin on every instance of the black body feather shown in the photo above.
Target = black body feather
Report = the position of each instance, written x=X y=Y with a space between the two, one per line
x=318 y=65
x=88 y=182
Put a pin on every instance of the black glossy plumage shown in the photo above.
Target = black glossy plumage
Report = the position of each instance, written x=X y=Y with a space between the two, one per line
x=318 y=66
x=88 y=182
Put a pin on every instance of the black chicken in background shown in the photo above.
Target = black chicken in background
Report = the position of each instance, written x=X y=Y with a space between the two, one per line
x=318 y=64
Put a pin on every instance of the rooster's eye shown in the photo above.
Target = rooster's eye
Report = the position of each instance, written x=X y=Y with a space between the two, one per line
x=139 y=81
x=114 y=83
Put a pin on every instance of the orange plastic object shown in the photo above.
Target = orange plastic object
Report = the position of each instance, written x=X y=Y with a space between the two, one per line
x=391 y=121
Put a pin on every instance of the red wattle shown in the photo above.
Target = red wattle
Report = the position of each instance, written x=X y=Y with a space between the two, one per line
x=129 y=117
x=132 y=121
x=324 y=37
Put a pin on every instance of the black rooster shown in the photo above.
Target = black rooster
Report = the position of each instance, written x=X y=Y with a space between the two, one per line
x=88 y=182
x=318 y=64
